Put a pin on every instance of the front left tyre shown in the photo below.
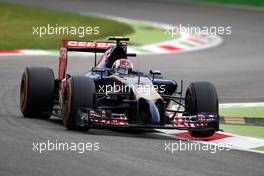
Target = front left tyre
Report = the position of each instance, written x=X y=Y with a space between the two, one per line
x=202 y=97
x=37 y=92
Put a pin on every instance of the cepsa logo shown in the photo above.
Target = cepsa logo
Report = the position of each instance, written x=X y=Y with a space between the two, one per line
x=82 y=44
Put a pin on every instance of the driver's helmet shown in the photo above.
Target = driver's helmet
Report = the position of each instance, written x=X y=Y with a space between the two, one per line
x=122 y=66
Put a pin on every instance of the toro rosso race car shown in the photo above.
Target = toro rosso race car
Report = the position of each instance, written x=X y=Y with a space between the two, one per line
x=114 y=94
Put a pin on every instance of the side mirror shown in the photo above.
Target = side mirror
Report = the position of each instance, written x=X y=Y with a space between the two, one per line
x=154 y=72
x=125 y=55
x=98 y=70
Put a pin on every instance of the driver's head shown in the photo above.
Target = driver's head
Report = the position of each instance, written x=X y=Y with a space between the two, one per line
x=123 y=66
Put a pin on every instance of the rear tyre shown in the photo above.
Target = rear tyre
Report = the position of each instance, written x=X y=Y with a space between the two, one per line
x=37 y=92
x=79 y=92
x=202 y=97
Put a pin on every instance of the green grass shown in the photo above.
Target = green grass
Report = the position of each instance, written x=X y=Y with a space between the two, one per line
x=17 y=22
x=256 y=3
x=146 y=34
x=260 y=148
x=244 y=130
x=243 y=112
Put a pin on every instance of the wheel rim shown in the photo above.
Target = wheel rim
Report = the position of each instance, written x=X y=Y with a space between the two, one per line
x=188 y=99
x=67 y=102
x=24 y=92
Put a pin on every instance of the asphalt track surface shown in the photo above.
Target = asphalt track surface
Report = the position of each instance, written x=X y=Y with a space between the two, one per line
x=235 y=67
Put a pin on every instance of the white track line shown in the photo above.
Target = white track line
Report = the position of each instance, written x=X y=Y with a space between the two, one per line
x=241 y=105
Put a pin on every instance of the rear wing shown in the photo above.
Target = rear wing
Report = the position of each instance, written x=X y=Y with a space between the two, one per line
x=80 y=46
x=87 y=46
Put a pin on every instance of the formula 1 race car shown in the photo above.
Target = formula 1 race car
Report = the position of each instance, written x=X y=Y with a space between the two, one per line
x=114 y=94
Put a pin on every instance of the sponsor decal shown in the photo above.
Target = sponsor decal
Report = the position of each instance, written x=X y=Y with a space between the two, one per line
x=84 y=44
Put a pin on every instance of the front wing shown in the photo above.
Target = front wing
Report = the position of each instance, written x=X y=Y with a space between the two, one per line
x=178 y=121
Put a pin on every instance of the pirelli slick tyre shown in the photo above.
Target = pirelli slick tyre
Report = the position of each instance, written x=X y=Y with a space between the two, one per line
x=202 y=97
x=79 y=92
x=37 y=92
